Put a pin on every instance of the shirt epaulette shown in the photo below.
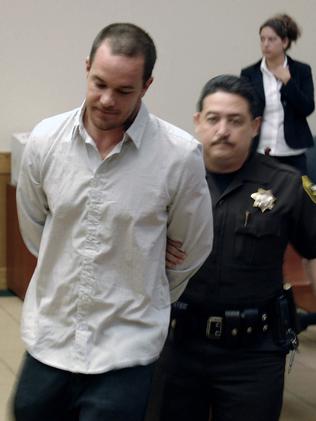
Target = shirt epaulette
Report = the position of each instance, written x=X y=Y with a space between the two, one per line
x=309 y=187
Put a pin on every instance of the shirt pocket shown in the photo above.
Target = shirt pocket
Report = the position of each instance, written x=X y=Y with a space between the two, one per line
x=258 y=241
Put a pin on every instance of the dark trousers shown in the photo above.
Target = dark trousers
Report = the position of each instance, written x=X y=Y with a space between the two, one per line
x=201 y=382
x=45 y=393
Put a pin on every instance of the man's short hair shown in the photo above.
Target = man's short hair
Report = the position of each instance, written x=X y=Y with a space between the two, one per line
x=129 y=40
x=232 y=85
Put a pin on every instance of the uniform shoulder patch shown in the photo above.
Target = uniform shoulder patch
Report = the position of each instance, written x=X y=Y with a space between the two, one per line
x=309 y=187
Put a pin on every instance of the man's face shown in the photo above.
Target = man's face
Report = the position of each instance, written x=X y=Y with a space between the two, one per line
x=114 y=89
x=226 y=128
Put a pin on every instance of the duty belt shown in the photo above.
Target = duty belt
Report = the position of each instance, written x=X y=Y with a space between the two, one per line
x=235 y=323
x=231 y=326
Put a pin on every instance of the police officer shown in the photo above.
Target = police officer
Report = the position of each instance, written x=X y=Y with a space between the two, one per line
x=235 y=323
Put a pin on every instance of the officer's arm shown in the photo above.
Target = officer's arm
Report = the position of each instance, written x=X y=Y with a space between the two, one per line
x=310 y=235
x=310 y=271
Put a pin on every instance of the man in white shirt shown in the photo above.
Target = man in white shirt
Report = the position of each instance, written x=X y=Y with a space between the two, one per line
x=101 y=189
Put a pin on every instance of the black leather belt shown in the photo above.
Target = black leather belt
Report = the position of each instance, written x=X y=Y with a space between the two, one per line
x=234 y=323
x=231 y=326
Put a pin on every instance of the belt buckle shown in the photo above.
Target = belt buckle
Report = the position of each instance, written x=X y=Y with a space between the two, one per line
x=214 y=327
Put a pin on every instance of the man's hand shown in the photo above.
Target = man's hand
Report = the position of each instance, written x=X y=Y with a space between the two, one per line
x=174 y=254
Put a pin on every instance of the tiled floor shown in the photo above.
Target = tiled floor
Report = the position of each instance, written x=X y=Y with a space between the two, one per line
x=300 y=389
x=11 y=349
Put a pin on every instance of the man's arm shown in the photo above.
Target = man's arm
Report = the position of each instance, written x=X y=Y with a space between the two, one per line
x=190 y=222
x=31 y=200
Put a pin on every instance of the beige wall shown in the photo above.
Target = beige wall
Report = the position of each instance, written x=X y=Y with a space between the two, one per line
x=44 y=43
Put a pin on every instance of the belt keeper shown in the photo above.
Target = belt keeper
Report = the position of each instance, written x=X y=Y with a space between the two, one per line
x=250 y=319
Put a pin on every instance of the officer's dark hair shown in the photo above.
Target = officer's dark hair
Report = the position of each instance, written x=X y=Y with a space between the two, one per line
x=284 y=26
x=128 y=40
x=232 y=85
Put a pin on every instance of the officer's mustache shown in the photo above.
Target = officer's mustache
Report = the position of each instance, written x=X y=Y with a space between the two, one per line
x=221 y=141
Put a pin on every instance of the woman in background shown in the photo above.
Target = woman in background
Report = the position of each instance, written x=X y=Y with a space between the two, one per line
x=285 y=98
x=285 y=94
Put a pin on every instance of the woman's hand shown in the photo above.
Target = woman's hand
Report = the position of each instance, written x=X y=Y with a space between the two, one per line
x=282 y=73
x=174 y=253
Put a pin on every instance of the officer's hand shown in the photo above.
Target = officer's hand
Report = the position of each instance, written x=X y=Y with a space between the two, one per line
x=174 y=254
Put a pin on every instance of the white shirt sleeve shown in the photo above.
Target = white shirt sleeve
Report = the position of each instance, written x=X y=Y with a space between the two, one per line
x=190 y=222
x=31 y=200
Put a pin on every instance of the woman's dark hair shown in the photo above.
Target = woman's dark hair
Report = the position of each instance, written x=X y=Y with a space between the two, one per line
x=128 y=40
x=284 y=26
x=232 y=85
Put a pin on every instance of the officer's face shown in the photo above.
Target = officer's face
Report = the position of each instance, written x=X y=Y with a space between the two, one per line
x=226 y=128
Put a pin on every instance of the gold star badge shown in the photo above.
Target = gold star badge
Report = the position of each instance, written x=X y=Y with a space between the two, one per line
x=263 y=199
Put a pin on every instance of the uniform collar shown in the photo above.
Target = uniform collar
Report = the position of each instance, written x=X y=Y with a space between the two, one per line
x=249 y=172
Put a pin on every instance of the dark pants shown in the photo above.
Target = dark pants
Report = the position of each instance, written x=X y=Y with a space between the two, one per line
x=45 y=393
x=191 y=382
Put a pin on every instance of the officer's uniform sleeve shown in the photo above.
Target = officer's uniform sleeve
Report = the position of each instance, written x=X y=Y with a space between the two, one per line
x=303 y=225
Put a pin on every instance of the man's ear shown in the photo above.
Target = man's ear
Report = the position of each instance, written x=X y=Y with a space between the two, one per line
x=256 y=123
x=88 y=65
x=147 y=84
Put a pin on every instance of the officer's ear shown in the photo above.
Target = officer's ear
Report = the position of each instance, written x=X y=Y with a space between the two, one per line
x=256 y=124
x=196 y=120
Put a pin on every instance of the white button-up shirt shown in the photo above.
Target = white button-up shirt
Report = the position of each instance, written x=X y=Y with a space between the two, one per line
x=272 y=127
x=99 y=297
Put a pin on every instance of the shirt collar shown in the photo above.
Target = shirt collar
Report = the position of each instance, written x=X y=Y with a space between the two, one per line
x=252 y=171
x=264 y=67
x=78 y=123
x=135 y=131
x=137 y=128
x=249 y=167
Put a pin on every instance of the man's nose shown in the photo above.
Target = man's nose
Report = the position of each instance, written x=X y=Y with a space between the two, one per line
x=107 y=99
x=222 y=128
